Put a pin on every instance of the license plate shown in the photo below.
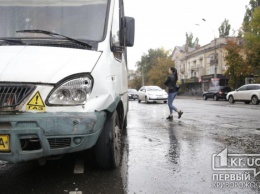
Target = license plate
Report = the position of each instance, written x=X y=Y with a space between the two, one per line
x=4 y=143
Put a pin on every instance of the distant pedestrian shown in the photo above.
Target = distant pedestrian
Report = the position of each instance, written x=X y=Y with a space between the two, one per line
x=171 y=84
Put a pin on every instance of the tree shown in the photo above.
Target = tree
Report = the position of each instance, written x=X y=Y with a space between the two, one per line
x=159 y=72
x=237 y=69
x=252 y=42
x=135 y=83
x=249 y=14
x=155 y=68
x=149 y=60
x=224 y=28
x=189 y=40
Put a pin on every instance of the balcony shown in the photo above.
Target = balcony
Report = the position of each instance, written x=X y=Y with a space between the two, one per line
x=194 y=67
x=213 y=61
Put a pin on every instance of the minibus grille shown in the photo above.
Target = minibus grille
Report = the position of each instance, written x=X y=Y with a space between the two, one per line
x=13 y=95
x=56 y=143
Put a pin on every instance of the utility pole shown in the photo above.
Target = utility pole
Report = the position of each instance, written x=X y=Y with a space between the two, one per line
x=142 y=75
x=215 y=60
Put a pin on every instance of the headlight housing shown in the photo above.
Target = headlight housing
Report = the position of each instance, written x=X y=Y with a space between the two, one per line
x=74 y=91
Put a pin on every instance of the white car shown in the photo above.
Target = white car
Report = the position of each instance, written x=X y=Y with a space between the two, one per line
x=247 y=93
x=152 y=94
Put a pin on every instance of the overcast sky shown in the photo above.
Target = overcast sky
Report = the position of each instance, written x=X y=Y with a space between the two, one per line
x=164 y=23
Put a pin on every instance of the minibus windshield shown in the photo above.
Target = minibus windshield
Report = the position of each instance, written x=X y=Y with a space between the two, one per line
x=78 y=19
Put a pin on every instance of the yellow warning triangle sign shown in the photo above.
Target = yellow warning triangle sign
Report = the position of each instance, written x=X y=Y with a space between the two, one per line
x=36 y=103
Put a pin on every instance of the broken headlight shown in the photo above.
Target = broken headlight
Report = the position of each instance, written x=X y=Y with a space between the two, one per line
x=71 y=92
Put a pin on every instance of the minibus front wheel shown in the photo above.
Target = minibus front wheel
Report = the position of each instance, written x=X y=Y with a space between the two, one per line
x=108 y=146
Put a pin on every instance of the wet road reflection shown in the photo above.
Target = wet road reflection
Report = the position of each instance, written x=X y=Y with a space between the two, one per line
x=175 y=156
x=58 y=177
x=159 y=156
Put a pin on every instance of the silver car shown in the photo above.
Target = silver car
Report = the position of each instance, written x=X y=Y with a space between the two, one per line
x=247 y=93
x=152 y=94
x=132 y=94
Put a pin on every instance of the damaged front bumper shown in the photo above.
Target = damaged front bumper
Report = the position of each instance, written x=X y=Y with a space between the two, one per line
x=29 y=136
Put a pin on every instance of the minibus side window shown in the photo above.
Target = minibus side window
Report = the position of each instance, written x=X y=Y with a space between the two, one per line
x=116 y=31
x=122 y=28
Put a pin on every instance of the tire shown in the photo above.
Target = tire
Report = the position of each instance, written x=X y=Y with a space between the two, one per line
x=125 y=123
x=146 y=101
x=255 y=100
x=205 y=97
x=247 y=102
x=108 y=146
x=164 y=102
x=215 y=97
x=231 y=99
x=139 y=101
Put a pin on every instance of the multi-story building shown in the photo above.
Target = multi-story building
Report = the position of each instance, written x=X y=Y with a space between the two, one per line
x=131 y=74
x=200 y=67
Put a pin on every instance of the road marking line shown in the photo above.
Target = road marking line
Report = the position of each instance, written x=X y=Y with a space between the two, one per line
x=75 y=192
x=79 y=167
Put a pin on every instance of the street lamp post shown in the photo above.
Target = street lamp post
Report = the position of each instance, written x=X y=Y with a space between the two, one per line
x=215 y=54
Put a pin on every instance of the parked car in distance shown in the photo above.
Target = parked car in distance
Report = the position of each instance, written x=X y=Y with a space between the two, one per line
x=246 y=93
x=132 y=94
x=218 y=92
x=152 y=94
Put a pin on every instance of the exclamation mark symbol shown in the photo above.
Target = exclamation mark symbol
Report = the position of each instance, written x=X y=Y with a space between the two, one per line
x=37 y=99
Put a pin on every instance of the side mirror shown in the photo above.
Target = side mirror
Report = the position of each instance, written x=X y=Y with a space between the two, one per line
x=129 y=31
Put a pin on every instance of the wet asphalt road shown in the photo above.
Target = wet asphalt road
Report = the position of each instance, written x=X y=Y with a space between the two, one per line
x=159 y=156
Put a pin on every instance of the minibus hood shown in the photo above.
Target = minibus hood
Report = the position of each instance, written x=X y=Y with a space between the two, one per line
x=39 y=64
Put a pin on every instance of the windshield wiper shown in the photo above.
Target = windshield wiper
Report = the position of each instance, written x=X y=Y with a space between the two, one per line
x=11 y=41
x=57 y=35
